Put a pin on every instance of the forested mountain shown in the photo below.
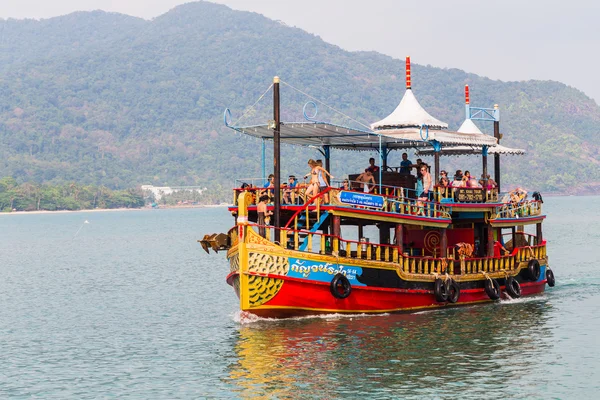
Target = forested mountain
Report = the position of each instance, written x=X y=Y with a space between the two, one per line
x=107 y=99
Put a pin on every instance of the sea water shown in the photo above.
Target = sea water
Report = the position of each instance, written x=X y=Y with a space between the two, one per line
x=129 y=306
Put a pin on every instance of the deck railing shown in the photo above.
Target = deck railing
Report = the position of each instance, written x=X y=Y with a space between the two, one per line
x=321 y=243
x=526 y=208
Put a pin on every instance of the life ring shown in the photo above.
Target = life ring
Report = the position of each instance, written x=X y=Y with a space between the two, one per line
x=453 y=289
x=492 y=289
x=533 y=270
x=440 y=290
x=513 y=288
x=550 y=277
x=340 y=281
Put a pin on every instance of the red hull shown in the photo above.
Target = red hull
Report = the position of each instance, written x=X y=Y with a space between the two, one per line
x=299 y=297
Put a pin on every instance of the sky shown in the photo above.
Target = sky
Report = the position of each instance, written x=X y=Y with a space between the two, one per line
x=511 y=40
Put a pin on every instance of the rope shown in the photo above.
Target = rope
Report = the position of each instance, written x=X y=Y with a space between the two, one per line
x=326 y=105
x=251 y=108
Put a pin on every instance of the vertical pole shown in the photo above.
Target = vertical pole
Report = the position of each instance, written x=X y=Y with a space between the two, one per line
x=264 y=158
x=399 y=239
x=538 y=233
x=380 y=163
x=444 y=244
x=484 y=158
x=514 y=236
x=276 y=154
x=385 y=156
x=327 y=153
x=384 y=233
x=497 y=136
x=336 y=226
x=436 y=163
x=490 y=241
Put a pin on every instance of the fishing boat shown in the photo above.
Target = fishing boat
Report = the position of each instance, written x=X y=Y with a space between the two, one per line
x=386 y=248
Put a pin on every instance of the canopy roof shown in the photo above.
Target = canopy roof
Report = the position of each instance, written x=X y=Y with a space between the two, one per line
x=466 y=150
x=318 y=134
x=409 y=114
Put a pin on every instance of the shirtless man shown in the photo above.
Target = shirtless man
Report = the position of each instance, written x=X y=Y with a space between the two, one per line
x=366 y=178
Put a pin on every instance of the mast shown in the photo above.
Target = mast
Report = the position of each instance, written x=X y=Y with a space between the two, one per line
x=497 y=136
x=276 y=154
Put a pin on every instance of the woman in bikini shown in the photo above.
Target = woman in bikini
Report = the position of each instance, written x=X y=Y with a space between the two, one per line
x=313 y=188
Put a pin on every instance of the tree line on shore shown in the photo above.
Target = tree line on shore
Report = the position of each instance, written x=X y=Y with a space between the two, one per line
x=70 y=196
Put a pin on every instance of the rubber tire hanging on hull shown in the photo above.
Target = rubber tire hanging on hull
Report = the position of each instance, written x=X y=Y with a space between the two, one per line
x=513 y=288
x=340 y=281
x=492 y=289
x=534 y=270
x=453 y=290
x=550 y=277
x=440 y=290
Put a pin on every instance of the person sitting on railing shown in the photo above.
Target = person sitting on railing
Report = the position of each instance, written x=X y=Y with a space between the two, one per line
x=268 y=187
x=458 y=179
x=444 y=182
x=491 y=184
x=366 y=178
x=263 y=215
x=290 y=190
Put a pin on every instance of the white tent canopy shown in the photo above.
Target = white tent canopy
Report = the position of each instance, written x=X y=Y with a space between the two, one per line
x=408 y=114
x=469 y=127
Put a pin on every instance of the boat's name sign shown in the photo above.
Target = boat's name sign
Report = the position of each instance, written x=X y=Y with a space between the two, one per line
x=361 y=199
x=322 y=272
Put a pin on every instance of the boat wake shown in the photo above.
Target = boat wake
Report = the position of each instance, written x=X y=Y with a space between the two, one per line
x=244 y=317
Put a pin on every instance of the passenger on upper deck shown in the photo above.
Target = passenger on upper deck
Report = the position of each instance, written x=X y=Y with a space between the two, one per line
x=444 y=182
x=323 y=184
x=345 y=185
x=418 y=167
x=405 y=164
x=427 y=183
x=290 y=191
x=491 y=184
x=458 y=179
x=372 y=167
x=269 y=185
x=366 y=178
x=471 y=182
x=313 y=188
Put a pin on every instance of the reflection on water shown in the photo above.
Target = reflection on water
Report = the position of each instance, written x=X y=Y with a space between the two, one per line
x=475 y=350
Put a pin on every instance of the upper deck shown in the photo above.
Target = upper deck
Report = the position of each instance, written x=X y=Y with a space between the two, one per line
x=400 y=205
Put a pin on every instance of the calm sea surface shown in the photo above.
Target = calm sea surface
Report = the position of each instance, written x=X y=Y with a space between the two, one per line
x=129 y=306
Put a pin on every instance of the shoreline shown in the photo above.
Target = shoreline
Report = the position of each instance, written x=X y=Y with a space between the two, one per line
x=110 y=209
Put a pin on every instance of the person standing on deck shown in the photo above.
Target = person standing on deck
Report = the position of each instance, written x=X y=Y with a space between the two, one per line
x=426 y=178
x=365 y=178
x=372 y=167
x=263 y=214
x=405 y=164
x=323 y=184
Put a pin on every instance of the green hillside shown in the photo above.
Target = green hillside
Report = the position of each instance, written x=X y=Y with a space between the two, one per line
x=106 y=99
